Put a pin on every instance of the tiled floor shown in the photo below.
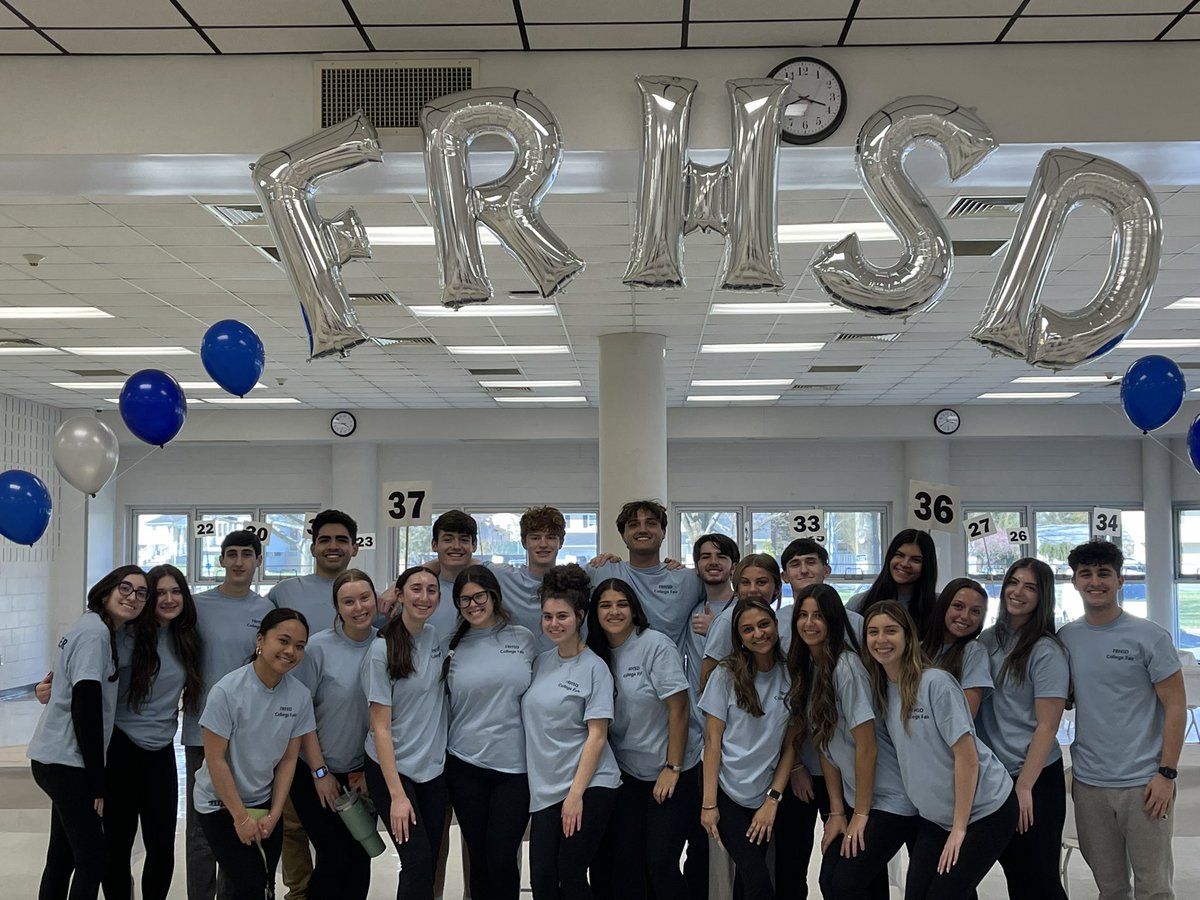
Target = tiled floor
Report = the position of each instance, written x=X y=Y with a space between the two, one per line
x=23 y=830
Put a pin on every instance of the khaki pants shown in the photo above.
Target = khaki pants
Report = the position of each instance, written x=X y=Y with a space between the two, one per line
x=297 y=861
x=1116 y=838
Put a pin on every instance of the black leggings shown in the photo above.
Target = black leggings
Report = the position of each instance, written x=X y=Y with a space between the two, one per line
x=558 y=865
x=645 y=840
x=75 y=856
x=492 y=810
x=248 y=877
x=984 y=842
x=139 y=784
x=419 y=853
x=795 y=824
x=342 y=869
x=865 y=876
x=750 y=859
x=1031 y=860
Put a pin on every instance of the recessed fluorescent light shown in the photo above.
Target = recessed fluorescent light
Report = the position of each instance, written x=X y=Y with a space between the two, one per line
x=1066 y=379
x=1161 y=343
x=52 y=312
x=804 y=347
x=742 y=382
x=486 y=310
x=414 y=236
x=28 y=351
x=130 y=351
x=1029 y=395
x=541 y=399
x=774 y=309
x=250 y=401
x=1185 y=303
x=731 y=398
x=834 y=231
x=505 y=350
x=529 y=384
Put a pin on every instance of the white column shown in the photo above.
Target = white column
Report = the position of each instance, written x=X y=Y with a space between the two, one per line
x=354 y=489
x=633 y=426
x=930 y=461
x=1160 y=534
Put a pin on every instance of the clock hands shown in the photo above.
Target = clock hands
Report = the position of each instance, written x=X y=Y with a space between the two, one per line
x=811 y=100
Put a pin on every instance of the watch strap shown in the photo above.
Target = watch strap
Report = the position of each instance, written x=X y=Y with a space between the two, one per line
x=320 y=772
x=1167 y=772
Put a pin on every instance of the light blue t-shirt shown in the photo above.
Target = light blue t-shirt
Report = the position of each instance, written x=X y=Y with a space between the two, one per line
x=1008 y=716
x=489 y=673
x=445 y=618
x=751 y=745
x=938 y=719
x=694 y=644
x=85 y=654
x=720 y=634
x=418 y=705
x=852 y=693
x=228 y=627
x=258 y=722
x=1118 y=718
x=667 y=596
x=311 y=595
x=564 y=695
x=332 y=671
x=519 y=595
x=153 y=725
x=648 y=669
x=975 y=670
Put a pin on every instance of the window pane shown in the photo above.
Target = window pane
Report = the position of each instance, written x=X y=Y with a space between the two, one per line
x=990 y=557
x=1187 y=597
x=1188 y=544
x=413 y=545
x=770 y=532
x=211 y=570
x=1133 y=542
x=855 y=543
x=289 y=550
x=580 y=545
x=693 y=523
x=1057 y=533
x=500 y=537
x=162 y=538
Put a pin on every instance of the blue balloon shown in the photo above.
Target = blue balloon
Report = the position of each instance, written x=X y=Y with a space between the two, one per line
x=24 y=506
x=1193 y=443
x=1152 y=391
x=233 y=356
x=153 y=406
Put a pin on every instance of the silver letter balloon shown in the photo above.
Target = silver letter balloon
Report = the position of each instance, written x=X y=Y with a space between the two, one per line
x=508 y=205
x=1016 y=323
x=85 y=452
x=311 y=248
x=916 y=281
x=736 y=198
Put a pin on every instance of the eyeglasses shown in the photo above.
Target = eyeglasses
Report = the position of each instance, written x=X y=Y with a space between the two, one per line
x=125 y=589
x=479 y=599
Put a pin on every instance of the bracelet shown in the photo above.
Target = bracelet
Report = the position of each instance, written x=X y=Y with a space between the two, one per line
x=862 y=815
x=245 y=820
x=708 y=807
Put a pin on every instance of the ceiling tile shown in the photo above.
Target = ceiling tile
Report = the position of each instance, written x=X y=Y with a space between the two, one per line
x=99 y=13
x=868 y=9
x=267 y=12
x=25 y=40
x=125 y=41
x=460 y=38
x=766 y=34
x=750 y=10
x=1086 y=28
x=287 y=40
x=449 y=12
x=1187 y=29
x=540 y=11
x=1098 y=7
x=918 y=31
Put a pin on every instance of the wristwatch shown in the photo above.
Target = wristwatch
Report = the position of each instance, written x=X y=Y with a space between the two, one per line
x=320 y=772
x=1168 y=773
x=675 y=769
x=775 y=795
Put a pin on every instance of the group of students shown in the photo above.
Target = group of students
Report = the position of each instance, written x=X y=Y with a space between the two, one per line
x=620 y=712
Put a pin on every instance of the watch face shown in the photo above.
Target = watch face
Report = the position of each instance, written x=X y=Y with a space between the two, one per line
x=816 y=102
x=946 y=421
x=343 y=424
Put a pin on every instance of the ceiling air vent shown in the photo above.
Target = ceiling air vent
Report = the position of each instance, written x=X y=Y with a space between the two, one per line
x=832 y=369
x=272 y=253
x=20 y=342
x=489 y=373
x=391 y=94
x=986 y=208
x=409 y=341
x=816 y=388
x=385 y=298
x=238 y=214
x=504 y=392
x=883 y=338
x=99 y=373
x=978 y=248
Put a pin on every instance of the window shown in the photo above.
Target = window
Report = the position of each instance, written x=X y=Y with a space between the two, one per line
x=696 y=522
x=1187 y=571
x=161 y=538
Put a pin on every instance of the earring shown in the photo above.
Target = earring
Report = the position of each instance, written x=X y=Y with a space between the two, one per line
x=258 y=651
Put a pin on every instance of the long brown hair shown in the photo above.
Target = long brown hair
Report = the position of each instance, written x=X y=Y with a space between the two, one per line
x=740 y=661
x=812 y=698
x=912 y=660
x=399 y=641
x=482 y=576
x=935 y=628
x=185 y=637
x=96 y=599
x=1040 y=624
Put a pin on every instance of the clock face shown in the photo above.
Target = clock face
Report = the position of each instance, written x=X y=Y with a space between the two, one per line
x=343 y=424
x=816 y=102
x=946 y=421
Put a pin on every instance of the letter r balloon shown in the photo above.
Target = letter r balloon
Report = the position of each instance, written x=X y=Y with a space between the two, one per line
x=508 y=205
x=314 y=249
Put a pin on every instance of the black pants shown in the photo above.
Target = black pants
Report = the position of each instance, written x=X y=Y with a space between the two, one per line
x=982 y=846
x=418 y=855
x=795 y=824
x=865 y=876
x=203 y=880
x=75 y=856
x=247 y=876
x=1031 y=860
x=753 y=876
x=343 y=869
x=645 y=840
x=558 y=865
x=492 y=810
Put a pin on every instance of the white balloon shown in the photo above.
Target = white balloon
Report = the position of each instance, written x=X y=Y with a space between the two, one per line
x=86 y=453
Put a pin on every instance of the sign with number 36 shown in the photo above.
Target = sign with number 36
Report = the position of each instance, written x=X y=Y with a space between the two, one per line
x=934 y=506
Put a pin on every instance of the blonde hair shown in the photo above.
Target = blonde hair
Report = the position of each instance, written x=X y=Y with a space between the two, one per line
x=912 y=660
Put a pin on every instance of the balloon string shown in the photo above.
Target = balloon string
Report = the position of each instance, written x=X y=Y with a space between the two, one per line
x=1121 y=414
x=113 y=480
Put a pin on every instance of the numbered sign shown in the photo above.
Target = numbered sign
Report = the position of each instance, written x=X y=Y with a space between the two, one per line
x=979 y=527
x=406 y=503
x=261 y=529
x=807 y=523
x=308 y=520
x=1106 y=523
x=203 y=528
x=365 y=540
x=934 y=506
x=1018 y=535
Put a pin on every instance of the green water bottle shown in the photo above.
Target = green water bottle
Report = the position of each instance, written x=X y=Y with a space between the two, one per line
x=358 y=815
